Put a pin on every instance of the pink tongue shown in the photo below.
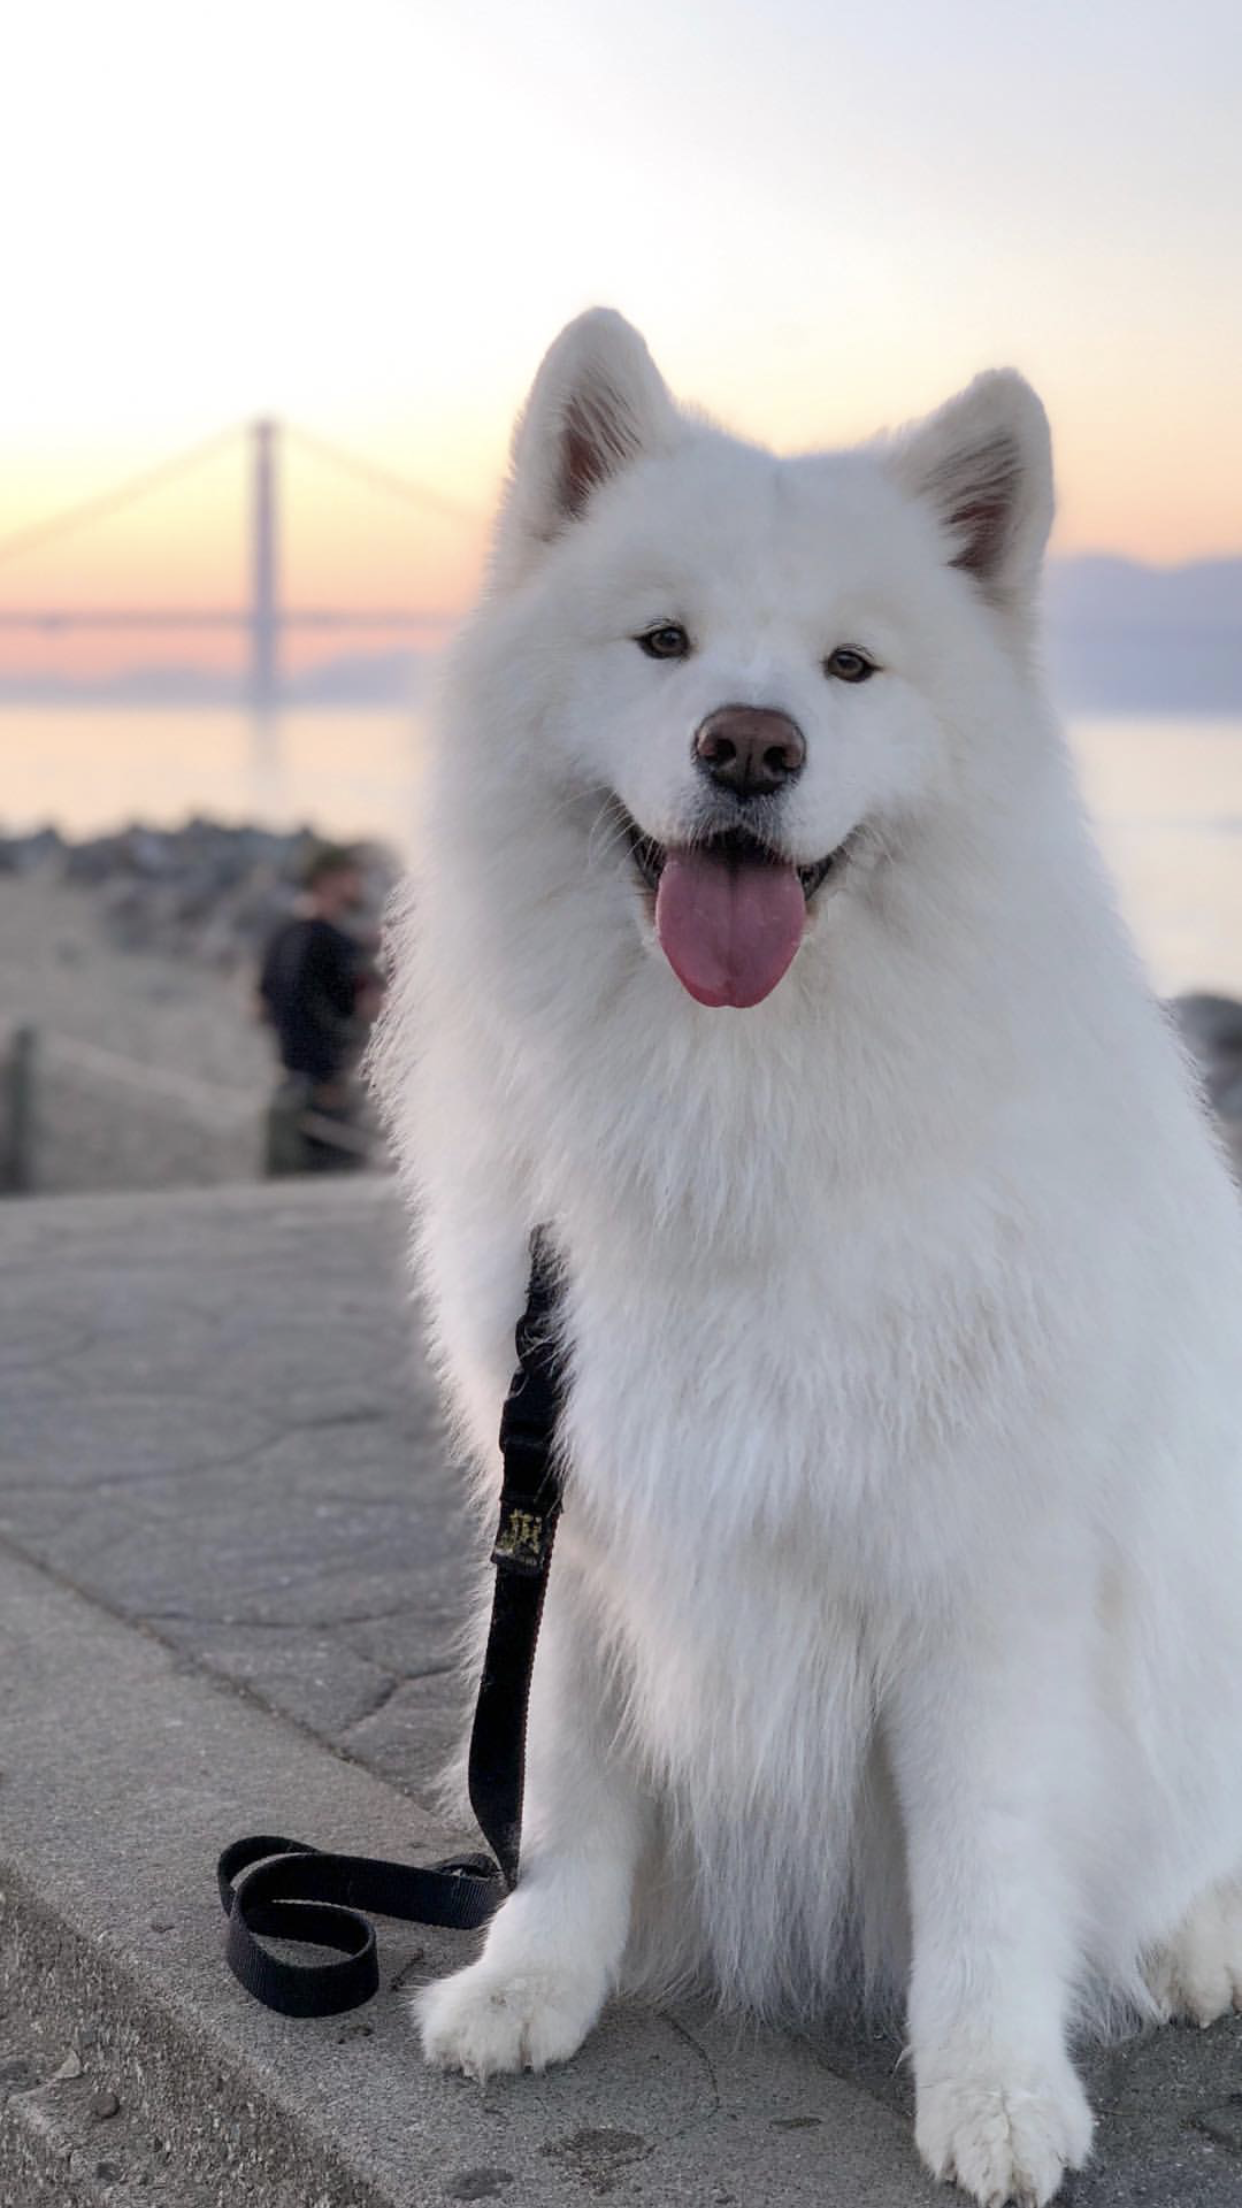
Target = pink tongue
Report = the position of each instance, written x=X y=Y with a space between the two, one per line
x=728 y=931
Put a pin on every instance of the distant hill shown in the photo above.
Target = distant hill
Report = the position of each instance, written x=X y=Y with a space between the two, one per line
x=1121 y=638
x=387 y=679
x=1126 y=638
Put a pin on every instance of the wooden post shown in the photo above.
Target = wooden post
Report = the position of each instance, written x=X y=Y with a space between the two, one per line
x=17 y=1122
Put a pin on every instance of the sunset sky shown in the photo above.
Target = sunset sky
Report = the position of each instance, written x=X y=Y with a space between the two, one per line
x=370 y=216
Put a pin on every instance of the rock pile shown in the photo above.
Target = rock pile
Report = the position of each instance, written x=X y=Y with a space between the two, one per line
x=206 y=893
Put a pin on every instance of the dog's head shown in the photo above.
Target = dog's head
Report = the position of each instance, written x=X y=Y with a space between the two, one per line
x=759 y=671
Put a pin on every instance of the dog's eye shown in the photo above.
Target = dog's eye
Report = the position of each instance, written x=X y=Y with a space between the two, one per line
x=848 y=665
x=668 y=641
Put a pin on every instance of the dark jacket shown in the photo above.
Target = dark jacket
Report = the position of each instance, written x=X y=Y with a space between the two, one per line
x=309 y=986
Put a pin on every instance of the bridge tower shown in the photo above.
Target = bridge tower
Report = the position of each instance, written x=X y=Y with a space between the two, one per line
x=265 y=614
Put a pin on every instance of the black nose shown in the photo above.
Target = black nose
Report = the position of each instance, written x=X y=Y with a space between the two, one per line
x=750 y=749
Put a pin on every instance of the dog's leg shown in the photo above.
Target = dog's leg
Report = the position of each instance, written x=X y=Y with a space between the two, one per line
x=554 y=1947
x=984 y=1734
x=1197 y=1975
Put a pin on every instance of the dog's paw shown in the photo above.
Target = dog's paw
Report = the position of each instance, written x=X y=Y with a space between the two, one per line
x=1197 y=1975
x=1008 y=2138
x=489 y=2018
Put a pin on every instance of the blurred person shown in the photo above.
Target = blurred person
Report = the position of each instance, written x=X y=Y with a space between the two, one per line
x=319 y=990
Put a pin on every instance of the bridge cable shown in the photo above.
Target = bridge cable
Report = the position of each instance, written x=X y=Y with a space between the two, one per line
x=108 y=502
x=380 y=479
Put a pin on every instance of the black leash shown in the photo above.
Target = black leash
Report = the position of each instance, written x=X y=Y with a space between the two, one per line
x=273 y=1888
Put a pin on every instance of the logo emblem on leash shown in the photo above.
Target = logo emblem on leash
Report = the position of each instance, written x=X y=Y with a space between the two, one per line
x=521 y=1539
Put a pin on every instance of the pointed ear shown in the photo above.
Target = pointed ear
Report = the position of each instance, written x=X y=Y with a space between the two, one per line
x=597 y=403
x=983 y=462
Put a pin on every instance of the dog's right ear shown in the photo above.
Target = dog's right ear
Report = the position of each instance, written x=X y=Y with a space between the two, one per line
x=597 y=403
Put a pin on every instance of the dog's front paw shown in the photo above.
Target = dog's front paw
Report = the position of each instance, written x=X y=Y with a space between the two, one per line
x=491 y=2018
x=1197 y=1975
x=1005 y=2137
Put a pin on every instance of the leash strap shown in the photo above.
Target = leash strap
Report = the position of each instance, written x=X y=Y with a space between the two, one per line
x=272 y=1888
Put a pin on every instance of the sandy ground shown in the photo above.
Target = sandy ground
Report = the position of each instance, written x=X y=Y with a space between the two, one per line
x=59 y=972
x=149 y=1071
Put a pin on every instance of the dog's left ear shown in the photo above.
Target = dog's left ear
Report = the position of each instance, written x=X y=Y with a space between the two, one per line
x=984 y=463
x=597 y=404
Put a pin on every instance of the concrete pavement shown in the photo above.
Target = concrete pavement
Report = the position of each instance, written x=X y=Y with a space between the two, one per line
x=231 y=1569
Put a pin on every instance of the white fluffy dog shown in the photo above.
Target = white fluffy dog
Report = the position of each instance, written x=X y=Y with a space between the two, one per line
x=758 y=947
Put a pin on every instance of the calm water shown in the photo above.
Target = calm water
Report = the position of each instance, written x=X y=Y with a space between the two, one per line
x=1166 y=796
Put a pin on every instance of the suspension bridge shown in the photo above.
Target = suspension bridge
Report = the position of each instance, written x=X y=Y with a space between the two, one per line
x=262 y=617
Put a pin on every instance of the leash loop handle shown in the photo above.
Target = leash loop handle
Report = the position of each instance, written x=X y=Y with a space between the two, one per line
x=274 y=1888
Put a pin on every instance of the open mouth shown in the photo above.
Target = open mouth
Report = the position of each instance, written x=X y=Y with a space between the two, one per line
x=732 y=847
x=729 y=911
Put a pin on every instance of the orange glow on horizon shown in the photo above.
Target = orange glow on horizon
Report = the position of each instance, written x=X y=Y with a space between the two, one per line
x=372 y=221
x=342 y=546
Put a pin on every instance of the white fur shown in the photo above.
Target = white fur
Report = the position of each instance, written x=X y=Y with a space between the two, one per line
x=894 y=1616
